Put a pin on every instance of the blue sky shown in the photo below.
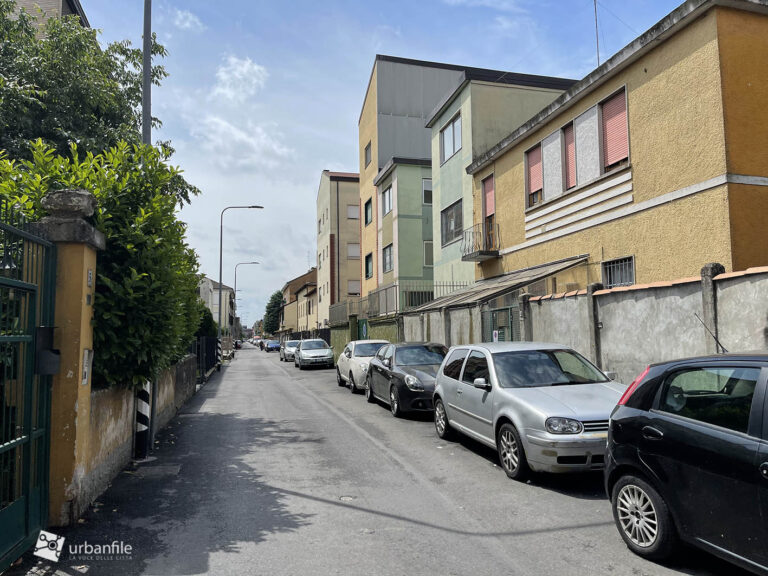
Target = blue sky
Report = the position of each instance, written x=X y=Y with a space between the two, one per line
x=263 y=95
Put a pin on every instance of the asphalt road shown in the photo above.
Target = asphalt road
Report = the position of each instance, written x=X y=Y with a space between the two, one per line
x=275 y=471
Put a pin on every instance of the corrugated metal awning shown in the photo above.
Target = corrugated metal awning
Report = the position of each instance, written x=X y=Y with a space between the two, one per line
x=486 y=290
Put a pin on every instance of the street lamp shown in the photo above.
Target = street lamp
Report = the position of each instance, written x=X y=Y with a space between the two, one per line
x=221 y=247
x=236 y=265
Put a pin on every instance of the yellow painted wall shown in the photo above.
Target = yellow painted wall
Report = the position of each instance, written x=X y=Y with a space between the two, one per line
x=349 y=232
x=368 y=131
x=676 y=140
x=748 y=208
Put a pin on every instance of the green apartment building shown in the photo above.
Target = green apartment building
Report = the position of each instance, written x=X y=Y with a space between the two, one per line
x=483 y=106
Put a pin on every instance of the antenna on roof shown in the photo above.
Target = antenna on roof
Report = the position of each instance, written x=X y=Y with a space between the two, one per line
x=720 y=346
x=597 y=37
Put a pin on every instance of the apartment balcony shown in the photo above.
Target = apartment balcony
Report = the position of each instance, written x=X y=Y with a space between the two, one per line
x=480 y=243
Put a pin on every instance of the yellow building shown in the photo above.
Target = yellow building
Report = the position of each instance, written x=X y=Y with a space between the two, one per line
x=650 y=167
x=306 y=305
x=289 y=313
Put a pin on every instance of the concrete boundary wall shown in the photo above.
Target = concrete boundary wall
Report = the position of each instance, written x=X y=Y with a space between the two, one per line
x=631 y=327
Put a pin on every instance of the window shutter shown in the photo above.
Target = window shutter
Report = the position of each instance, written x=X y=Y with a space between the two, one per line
x=615 y=137
x=489 y=197
x=535 y=176
x=570 y=157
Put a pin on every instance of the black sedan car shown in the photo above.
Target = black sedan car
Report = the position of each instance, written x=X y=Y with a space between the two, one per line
x=687 y=459
x=403 y=375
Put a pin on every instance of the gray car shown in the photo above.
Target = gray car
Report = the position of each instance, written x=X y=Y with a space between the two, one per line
x=543 y=407
x=315 y=352
x=288 y=349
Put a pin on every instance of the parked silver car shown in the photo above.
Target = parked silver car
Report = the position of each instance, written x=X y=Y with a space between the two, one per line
x=315 y=352
x=352 y=365
x=543 y=407
x=288 y=349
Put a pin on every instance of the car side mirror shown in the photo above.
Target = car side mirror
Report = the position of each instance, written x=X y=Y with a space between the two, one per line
x=612 y=375
x=387 y=362
x=481 y=383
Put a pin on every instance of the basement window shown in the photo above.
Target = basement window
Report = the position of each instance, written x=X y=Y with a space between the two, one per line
x=619 y=272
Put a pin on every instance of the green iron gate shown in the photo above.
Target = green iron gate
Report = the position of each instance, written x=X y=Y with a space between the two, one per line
x=27 y=283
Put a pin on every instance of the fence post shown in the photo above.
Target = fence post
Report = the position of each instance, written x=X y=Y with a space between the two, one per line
x=526 y=321
x=77 y=242
x=709 y=304
x=593 y=321
x=446 y=314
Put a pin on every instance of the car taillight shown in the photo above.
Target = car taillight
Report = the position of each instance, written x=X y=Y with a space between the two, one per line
x=632 y=387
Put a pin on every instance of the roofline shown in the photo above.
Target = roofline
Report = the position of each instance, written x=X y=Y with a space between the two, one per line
x=672 y=23
x=509 y=79
x=77 y=8
x=394 y=161
x=343 y=176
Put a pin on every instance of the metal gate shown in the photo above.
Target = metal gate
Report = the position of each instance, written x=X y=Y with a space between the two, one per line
x=504 y=320
x=27 y=283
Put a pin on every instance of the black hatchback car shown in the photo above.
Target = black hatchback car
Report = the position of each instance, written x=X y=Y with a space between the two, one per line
x=687 y=458
x=403 y=375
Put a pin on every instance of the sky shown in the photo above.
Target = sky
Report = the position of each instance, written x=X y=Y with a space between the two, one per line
x=265 y=94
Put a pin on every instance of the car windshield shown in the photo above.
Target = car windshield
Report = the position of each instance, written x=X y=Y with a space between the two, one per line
x=292 y=343
x=420 y=355
x=313 y=345
x=368 y=349
x=536 y=368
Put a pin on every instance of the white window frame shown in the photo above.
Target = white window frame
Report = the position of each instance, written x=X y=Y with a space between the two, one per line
x=353 y=209
x=384 y=258
x=350 y=244
x=450 y=125
x=386 y=201
x=460 y=229
x=424 y=189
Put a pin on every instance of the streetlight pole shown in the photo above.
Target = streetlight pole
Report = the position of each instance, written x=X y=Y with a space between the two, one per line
x=221 y=249
x=236 y=265
x=146 y=92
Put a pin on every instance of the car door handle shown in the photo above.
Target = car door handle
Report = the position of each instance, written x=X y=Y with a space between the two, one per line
x=651 y=433
x=459 y=391
x=764 y=470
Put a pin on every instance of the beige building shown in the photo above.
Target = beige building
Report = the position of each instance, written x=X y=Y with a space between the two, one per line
x=338 y=241
x=55 y=8
x=289 y=314
x=306 y=306
x=208 y=290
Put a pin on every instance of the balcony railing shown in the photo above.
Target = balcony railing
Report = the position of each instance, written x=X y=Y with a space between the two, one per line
x=481 y=242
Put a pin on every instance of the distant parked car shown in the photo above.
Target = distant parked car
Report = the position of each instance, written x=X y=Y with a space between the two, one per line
x=352 y=365
x=272 y=346
x=315 y=352
x=687 y=459
x=403 y=375
x=543 y=407
x=288 y=349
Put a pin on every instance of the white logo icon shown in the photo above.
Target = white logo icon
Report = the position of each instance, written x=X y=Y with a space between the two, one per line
x=49 y=546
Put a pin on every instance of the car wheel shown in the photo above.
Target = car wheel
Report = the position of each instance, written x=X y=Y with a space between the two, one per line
x=369 y=391
x=511 y=453
x=643 y=519
x=301 y=366
x=394 y=402
x=352 y=386
x=339 y=381
x=442 y=427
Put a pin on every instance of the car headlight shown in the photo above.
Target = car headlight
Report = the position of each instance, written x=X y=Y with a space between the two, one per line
x=330 y=353
x=363 y=367
x=563 y=426
x=413 y=383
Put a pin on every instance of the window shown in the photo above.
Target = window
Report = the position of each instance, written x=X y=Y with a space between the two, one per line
x=615 y=135
x=476 y=367
x=367 y=154
x=489 y=240
x=429 y=259
x=719 y=396
x=368 y=212
x=426 y=190
x=369 y=266
x=450 y=139
x=386 y=255
x=534 y=174
x=619 y=272
x=451 y=223
x=353 y=251
x=386 y=201
x=353 y=287
x=569 y=142
x=353 y=212
x=453 y=366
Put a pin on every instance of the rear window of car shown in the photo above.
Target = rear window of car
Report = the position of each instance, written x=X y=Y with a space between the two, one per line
x=368 y=349
x=313 y=344
x=453 y=366
x=421 y=355
x=534 y=368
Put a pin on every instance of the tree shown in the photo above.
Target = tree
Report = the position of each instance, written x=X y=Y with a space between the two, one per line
x=60 y=85
x=208 y=326
x=272 y=314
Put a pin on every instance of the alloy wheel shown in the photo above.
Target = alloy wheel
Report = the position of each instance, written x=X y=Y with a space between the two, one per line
x=637 y=515
x=510 y=451
x=440 y=419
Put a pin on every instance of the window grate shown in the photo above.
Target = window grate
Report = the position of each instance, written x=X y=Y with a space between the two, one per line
x=619 y=272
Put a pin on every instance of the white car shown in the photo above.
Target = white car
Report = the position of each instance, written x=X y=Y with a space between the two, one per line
x=352 y=365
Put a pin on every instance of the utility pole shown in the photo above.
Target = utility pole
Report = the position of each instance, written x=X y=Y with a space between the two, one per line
x=146 y=92
x=597 y=37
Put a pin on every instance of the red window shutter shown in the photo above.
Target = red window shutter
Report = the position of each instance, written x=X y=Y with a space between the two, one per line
x=615 y=137
x=535 y=177
x=489 y=197
x=570 y=157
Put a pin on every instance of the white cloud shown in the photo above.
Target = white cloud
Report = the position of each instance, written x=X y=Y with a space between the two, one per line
x=185 y=20
x=246 y=146
x=502 y=5
x=238 y=79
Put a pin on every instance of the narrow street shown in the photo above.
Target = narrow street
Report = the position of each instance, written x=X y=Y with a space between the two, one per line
x=272 y=470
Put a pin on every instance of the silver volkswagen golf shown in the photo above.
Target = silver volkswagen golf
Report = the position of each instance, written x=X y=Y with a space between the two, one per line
x=543 y=407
